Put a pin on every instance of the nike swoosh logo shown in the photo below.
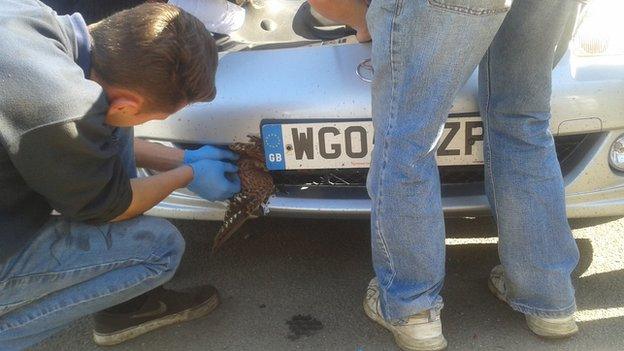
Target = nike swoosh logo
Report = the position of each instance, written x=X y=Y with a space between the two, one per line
x=160 y=310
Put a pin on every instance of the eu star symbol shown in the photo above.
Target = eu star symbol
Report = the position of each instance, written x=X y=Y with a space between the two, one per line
x=272 y=141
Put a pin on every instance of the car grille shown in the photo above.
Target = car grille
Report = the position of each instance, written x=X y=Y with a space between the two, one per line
x=566 y=145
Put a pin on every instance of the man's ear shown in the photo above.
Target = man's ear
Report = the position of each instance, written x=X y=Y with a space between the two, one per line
x=124 y=102
x=124 y=107
x=120 y=100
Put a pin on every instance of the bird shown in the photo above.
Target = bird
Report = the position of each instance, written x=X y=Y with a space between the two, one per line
x=257 y=186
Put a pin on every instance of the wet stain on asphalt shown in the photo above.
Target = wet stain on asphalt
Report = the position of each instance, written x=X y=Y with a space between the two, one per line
x=303 y=325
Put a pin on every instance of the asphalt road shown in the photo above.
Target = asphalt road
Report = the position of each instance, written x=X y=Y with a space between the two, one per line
x=314 y=272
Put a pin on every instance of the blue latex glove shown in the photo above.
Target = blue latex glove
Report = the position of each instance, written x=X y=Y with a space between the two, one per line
x=209 y=152
x=214 y=180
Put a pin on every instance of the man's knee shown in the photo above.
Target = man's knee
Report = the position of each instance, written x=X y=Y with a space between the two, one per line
x=164 y=239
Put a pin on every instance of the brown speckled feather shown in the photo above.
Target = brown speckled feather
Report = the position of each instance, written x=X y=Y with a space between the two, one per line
x=256 y=188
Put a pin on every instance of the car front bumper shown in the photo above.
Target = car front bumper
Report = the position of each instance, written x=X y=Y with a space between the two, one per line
x=593 y=189
x=322 y=83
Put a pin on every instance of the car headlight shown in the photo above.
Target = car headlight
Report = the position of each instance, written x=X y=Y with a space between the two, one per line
x=600 y=33
x=616 y=156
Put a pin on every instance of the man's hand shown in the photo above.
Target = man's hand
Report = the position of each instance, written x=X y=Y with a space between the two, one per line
x=214 y=180
x=209 y=152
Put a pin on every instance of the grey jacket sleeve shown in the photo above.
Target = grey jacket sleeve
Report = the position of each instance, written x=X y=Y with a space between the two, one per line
x=75 y=165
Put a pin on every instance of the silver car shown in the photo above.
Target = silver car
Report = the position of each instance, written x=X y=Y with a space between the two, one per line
x=304 y=86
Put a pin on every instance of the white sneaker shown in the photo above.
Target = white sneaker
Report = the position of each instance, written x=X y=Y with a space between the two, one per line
x=421 y=332
x=555 y=328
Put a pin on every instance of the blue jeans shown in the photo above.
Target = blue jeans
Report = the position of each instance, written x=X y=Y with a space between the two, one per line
x=71 y=270
x=423 y=53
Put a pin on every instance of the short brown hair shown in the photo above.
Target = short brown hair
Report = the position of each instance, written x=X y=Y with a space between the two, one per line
x=158 y=50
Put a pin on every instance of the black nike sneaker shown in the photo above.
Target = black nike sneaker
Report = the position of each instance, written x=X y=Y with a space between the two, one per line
x=155 y=309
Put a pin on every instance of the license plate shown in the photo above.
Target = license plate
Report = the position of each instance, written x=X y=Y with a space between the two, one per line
x=331 y=145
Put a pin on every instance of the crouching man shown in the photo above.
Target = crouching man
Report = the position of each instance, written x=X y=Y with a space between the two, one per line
x=69 y=95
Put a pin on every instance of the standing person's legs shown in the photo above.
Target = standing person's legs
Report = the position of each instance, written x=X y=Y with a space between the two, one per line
x=523 y=177
x=71 y=270
x=423 y=52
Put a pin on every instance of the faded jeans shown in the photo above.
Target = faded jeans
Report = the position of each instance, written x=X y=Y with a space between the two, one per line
x=423 y=53
x=71 y=270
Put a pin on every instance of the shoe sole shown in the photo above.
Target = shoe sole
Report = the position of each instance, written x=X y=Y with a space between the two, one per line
x=434 y=344
x=133 y=332
x=538 y=327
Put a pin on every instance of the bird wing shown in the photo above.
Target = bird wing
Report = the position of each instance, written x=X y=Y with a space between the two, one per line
x=257 y=186
x=242 y=206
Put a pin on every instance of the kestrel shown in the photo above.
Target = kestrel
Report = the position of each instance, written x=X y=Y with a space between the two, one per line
x=256 y=188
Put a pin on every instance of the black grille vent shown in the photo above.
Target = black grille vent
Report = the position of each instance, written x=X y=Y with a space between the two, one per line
x=448 y=175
